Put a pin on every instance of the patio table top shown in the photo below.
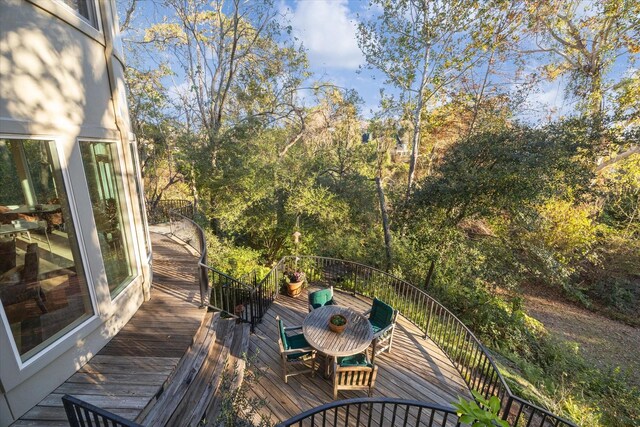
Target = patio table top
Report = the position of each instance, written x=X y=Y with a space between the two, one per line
x=354 y=339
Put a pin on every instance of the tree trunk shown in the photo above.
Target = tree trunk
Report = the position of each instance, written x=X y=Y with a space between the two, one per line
x=417 y=122
x=427 y=281
x=385 y=222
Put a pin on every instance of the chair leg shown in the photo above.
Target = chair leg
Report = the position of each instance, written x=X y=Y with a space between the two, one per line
x=284 y=370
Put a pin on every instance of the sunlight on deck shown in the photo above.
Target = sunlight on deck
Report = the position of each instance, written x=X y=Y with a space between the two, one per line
x=415 y=369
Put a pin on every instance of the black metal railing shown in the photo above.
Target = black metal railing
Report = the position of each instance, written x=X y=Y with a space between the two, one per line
x=230 y=295
x=249 y=299
x=159 y=211
x=465 y=351
x=83 y=414
x=266 y=291
x=374 y=412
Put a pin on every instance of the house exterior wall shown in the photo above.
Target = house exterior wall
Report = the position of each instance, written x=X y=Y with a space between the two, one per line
x=62 y=80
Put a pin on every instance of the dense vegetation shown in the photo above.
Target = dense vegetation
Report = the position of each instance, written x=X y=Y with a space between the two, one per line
x=482 y=204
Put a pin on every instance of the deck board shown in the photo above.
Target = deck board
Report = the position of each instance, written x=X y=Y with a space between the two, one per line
x=415 y=369
x=128 y=372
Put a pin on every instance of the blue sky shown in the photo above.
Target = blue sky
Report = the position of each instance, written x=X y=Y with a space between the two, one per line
x=327 y=29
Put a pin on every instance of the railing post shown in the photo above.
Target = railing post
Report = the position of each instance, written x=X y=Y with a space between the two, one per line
x=507 y=409
x=204 y=285
x=252 y=302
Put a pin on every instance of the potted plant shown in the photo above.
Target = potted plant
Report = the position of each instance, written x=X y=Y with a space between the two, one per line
x=294 y=284
x=337 y=323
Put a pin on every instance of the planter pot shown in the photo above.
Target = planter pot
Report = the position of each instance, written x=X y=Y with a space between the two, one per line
x=294 y=288
x=338 y=329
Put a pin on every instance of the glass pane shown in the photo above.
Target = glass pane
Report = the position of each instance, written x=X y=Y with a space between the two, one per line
x=105 y=191
x=43 y=288
x=83 y=7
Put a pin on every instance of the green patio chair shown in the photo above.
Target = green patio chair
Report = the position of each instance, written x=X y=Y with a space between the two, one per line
x=353 y=373
x=382 y=318
x=294 y=349
x=321 y=298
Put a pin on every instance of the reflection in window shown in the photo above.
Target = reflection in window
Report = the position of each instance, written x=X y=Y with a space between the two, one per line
x=107 y=202
x=42 y=285
x=84 y=8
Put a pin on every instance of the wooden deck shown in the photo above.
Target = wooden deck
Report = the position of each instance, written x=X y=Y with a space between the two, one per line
x=125 y=376
x=415 y=369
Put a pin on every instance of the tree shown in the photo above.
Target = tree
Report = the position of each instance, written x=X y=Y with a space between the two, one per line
x=240 y=75
x=235 y=64
x=420 y=46
x=588 y=39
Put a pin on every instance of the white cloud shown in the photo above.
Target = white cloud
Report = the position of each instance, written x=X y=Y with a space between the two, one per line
x=328 y=32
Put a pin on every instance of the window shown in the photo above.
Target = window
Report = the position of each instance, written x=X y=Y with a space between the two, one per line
x=43 y=288
x=84 y=8
x=105 y=190
x=136 y=166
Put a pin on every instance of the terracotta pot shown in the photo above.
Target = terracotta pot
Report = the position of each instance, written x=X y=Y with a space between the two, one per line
x=294 y=288
x=335 y=328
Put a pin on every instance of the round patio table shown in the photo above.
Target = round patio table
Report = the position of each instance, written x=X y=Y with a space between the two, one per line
x=355 y=338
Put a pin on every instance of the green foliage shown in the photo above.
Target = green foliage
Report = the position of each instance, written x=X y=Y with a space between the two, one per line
x=558 y=378
x=509 y=170
x=480 y=412
x=236 y=261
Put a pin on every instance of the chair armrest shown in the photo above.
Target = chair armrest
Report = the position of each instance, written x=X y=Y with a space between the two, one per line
x=366 y=312
x=298 y=350
x=292 y=328
x=383 y=331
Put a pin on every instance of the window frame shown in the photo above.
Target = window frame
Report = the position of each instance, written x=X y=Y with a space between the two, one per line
x=70 y=17
x=127 y=213
x=62 y=342
x=94 y=14
x=139 y=188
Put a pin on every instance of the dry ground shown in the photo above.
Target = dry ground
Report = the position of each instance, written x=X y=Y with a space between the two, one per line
x=602 y=341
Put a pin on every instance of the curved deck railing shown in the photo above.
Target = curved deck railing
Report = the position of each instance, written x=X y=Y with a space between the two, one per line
x=374 y=412
x=158 y=211
x=465 y=351
x=472 y=360
x=218 y=290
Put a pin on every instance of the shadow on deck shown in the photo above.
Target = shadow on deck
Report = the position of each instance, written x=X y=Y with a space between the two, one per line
x=416 y=368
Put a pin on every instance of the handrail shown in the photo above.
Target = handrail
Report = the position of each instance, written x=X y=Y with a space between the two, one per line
x=229 y=295
x=460 y=345
x=83 y=414
x=158 y=211
x=218 y=290
x=376 y=412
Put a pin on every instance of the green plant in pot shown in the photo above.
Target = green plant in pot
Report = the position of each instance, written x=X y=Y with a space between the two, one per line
x=337 y=323
x=295 y=281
